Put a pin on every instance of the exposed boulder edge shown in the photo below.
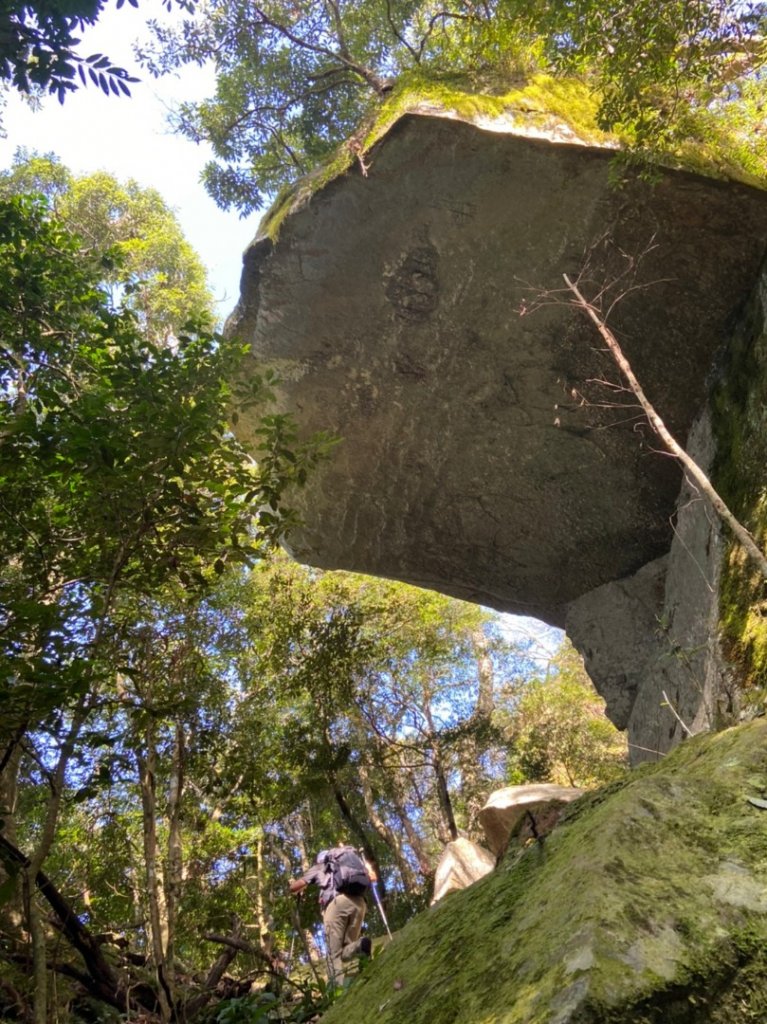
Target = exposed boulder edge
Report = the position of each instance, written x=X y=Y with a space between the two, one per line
x=648 y=902
x=480 y=453
x=461 y=864
x=505 y=809
x=652 y=642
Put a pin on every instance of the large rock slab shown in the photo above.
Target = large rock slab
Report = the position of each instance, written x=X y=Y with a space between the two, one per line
x=481 y=453
x=461 y=864
x=651 y=642
x=505 y=809
x=647 y=903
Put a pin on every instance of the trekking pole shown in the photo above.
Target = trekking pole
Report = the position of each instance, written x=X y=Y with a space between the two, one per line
x=377 y=898
x=289 y=966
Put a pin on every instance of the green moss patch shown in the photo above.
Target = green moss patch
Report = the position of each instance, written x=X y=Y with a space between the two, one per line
x=740 y=426
x=543 y=103
x=646 y=905
x=566 y=109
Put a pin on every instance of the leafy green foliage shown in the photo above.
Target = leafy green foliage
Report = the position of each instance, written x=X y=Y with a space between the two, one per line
x=124 y=498
x=38 y=48
x=147 y=263
x=294 y=80
x=116 y=468
x=558 y=732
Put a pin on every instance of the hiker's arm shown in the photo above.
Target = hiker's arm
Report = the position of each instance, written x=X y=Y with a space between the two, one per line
x=314 y=876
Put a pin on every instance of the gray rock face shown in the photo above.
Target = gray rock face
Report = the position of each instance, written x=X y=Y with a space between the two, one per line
x=614 y=628
x=651 y=642
x=486 y=454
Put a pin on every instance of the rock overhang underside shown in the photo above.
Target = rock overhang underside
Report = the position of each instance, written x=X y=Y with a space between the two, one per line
x=485 y=452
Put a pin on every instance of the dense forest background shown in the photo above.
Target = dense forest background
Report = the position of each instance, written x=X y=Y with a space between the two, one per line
x=186 y=716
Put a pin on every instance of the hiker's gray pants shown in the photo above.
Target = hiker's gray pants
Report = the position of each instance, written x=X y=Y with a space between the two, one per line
x=343 y=918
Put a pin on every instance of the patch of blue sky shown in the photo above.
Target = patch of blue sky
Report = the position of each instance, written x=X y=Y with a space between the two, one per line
x=541 y=640
x=129 y=137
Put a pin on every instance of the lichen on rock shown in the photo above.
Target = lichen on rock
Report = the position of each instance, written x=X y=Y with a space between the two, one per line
x=740 y=425
x=647 y=904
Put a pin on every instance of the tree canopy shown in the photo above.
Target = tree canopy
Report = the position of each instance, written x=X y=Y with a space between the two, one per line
x=124 y=496
x=295 y=79
x=38 y=48
x=146 y=263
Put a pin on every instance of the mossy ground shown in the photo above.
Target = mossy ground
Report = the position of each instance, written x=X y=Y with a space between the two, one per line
x=646 y=904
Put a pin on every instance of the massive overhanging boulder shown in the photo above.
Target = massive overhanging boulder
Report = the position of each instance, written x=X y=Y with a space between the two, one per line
x=484 y=453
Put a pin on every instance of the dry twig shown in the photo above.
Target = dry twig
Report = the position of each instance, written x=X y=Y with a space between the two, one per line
x=690 y=465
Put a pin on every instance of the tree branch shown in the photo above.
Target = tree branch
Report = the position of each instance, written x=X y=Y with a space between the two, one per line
x=691 y=467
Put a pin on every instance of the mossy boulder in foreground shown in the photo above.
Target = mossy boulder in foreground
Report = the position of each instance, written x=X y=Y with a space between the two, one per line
x=647 y=904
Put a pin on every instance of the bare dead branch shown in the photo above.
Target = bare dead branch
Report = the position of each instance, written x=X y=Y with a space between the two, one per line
x=675 y=713
x=691 y=467
x=239 y=944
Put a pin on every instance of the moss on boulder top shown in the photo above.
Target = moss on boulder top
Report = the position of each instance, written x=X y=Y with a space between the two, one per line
x=647 y=904
x=563 y=110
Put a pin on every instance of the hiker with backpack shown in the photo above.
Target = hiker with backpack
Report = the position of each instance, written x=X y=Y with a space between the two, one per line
x=343 y=879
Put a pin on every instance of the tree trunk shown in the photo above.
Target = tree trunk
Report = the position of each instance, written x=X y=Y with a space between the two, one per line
x=483 y=709
x=103 y=981
x=265 y=937
x=158 y=913
x=474 y=779
x=39 y=959
x=12 y=910
x=443 y=796
x=355 y=827
x=175 y=876
x=389 y=837
x=448 y=826
x=37 y=859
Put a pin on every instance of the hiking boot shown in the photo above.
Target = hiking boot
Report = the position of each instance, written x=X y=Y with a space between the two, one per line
x=366 y=947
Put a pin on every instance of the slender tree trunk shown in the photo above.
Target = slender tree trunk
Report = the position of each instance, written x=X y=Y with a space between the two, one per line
x=313 y=953
x=47 y=835
x=483 y=709
x=389 y=837
x=39 y=959
x=449 y=827
x=355 y=827
x=415 y=840
x=443 y=796
x=158 y=917
x=12 y=910
x=265 y=937
x=175 y=877
x=473 y=774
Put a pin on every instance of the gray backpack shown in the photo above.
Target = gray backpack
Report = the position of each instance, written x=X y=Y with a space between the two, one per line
x=350 y=876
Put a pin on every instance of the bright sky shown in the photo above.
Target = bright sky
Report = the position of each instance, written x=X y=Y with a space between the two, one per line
x=129 y=138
